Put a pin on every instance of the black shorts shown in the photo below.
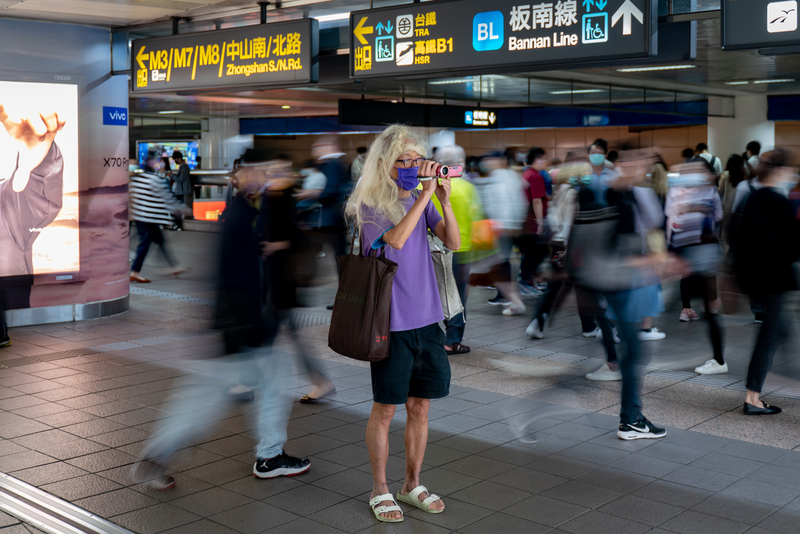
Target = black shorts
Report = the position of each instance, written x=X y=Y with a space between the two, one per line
x=417 y=366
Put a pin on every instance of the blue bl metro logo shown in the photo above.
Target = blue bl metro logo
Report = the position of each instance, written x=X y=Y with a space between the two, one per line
x=487 y=31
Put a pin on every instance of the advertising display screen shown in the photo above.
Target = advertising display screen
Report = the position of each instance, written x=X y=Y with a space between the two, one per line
x=265 y=54
x=759 y=24
x=475 y=35
x=165 y=149
x=39 y=205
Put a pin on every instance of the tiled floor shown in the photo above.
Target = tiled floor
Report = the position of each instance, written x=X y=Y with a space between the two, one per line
x=523 y=444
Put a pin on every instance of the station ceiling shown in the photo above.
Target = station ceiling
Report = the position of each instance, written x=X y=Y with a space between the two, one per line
x=712 y=73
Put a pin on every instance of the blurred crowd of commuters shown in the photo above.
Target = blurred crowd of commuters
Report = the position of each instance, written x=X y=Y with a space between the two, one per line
x=610 y=225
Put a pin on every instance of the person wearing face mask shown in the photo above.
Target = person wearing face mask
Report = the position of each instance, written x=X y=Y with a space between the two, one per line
x=393 y=217
x=768 y=229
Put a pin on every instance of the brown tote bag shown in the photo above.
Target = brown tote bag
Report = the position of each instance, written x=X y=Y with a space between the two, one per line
x=360 y=320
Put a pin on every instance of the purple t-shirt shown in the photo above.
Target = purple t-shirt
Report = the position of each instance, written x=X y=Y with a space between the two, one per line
x=415 y=295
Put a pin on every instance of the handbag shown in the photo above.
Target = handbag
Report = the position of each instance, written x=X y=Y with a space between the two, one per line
x=445 y=280
x=362 y=308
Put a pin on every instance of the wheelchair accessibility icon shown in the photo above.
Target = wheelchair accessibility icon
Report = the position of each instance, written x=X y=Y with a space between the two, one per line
x=594 y=28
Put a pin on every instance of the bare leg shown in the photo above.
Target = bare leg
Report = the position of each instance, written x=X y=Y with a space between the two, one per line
x=416 y=439
x=647 y=322
x=754 y=398
x=378 y=446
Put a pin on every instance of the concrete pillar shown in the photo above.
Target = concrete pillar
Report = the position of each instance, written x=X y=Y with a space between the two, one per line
x=728 y=136
x=222 y=144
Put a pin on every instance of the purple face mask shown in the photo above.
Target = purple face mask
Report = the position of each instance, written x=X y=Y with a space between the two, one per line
x=407 y=178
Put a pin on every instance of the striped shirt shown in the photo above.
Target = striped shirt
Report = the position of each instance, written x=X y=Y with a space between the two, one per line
x=150 y=199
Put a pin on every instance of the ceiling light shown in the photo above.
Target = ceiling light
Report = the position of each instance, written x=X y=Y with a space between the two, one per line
x=663 y=67
x=736 y=83
x=330 y=18
x=286 y=107
x=577 y=91
x=171 y=112
x=782 y=80
x=456 y=80
x=394 y=101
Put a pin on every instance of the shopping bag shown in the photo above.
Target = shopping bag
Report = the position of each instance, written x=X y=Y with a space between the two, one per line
x=483 y=235
x=445 y=279
x=362 y=308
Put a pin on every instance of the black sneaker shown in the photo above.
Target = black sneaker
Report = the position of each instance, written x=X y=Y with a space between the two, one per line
x=5 y=342
x=642 y=429
x=499 y=301
x=282 y=465
x=759 y=318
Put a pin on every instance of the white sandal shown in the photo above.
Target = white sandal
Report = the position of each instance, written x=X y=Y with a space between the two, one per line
x=378 y=510
x=412 y=498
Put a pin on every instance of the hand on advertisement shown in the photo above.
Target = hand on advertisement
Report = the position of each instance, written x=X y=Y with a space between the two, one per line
x=34 y=134
x=443 y=191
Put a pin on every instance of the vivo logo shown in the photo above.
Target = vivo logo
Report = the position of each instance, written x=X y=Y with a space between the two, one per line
x=115 y=116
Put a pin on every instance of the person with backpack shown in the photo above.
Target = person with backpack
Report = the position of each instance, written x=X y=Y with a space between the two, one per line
x=603 y=257
x=751 y=157
x=768 y=229
x=714 y=164
x=693 y=211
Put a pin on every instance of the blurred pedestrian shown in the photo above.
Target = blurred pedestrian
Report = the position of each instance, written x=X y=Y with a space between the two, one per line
x=605 y=258
x=357 y=167
x=714 y=163
x=151 y=203
x=5 y=340
x=693 y=212
x=331 y=162
x=183 y=187
x=734 y=174
x=536 y=236
x=391 y=216
x=751 y=158
x=278 y=240
x=203 y=396
x=467 y=209
x=502 y=195
x=768 y=245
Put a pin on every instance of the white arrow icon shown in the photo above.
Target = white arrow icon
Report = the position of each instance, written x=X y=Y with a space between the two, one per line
x=492 y=117
x=626 y=11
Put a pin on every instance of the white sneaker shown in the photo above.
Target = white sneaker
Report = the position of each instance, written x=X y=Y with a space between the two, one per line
x=514 y=310
x=604 y=373
x=594 y=333
x=651 y=335
x=534 y=330
x=711 y=367
x=613 y=331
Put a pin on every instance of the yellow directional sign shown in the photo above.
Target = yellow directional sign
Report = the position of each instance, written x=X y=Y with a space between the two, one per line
x=264 y=54
x=362 y=30
x=141 y=57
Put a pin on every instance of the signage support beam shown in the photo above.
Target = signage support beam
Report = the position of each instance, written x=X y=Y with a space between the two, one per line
x=263 y=6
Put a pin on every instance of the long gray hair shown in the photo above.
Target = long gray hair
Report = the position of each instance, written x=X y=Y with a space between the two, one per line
x=377 y=190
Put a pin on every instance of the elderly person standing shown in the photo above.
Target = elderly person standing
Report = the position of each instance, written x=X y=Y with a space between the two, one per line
x=391 y=215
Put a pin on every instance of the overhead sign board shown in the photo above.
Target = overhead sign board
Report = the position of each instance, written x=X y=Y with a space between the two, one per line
x=476 y=35
x=759 y=24
x=267 y=54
